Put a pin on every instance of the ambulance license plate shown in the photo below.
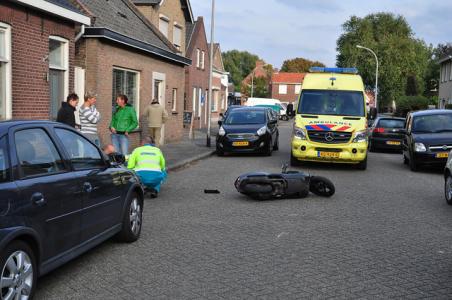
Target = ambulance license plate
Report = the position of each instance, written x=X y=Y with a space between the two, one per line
x=442 y=155
x=396 y=143
x=328 y=154
x=240 y=144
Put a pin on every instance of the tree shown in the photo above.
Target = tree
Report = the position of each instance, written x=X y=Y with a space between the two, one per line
x=239 y=64
x=433 y=69
x=400 y=54
x=299 y=65
x=261 y=84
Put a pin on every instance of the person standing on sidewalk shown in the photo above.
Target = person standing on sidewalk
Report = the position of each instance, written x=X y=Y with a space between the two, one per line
x=157 y=116
x=66 y=114
x=89 y=117
x=123 y=122
x=149 y=164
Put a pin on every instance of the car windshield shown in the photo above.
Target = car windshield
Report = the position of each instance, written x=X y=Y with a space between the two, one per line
x=391 y=123
x=340 y=103
x=245 y=117
x=432 y=123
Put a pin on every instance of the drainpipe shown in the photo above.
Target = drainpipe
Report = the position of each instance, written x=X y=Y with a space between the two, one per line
x=79 y=35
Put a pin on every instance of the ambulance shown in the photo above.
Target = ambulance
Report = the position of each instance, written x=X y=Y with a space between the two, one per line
x=331 y=118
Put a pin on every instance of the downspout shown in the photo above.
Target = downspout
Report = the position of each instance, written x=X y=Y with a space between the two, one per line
x=80 y=34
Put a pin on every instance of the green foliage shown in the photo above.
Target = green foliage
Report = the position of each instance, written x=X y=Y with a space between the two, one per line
x=406 y=104
x=299 y=65
x=400 y=54
x=239 y=64
x=261 y=88
x=433 y=68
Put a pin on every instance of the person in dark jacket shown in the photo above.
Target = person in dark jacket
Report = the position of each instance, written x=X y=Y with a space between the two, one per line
x=66 y=114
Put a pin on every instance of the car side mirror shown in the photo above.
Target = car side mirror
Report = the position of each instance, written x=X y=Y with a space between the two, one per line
x=116 y=159
x=373 y=113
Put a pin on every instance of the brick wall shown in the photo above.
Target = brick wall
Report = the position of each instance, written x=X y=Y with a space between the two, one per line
x=289 y=97
x=197 y=77
x=30 y=31
x=103 y=56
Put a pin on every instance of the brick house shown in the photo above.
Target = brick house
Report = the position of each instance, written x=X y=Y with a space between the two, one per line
x=220 y=82
x=286 y=87
x=197 y=75
x=123 y=52
x=36 y=56
x=259 y=70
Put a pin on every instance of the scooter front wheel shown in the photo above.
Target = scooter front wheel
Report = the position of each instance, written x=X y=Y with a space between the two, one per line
x=321 y=186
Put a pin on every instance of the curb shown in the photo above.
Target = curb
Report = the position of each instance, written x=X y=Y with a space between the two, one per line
x=183 y=163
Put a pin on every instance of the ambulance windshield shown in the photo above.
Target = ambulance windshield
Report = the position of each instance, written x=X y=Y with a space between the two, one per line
x=325 y=102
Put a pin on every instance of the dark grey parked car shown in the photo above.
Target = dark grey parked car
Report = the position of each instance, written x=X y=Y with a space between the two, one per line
x=60 y=196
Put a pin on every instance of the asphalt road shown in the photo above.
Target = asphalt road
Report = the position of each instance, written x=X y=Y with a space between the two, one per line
x=386 y=233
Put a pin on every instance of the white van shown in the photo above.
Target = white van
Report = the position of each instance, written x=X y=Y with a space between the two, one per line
x=268 y=101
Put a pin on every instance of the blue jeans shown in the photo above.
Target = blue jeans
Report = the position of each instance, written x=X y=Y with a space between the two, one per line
x=152 y=179
x=121 y=143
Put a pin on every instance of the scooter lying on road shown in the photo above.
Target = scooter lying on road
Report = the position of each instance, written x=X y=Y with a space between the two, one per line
x=287 y=184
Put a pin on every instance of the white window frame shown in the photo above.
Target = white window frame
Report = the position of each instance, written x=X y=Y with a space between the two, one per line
x=160 y=77
x=179 y=27
x=282 y=89
x=203 y=55
x=198 y=57
x=167 y=20
x=200 y=101
x=297 y=88
x=174 y=100
x=65 y=60
x=136 y=105
x=8 y=70
x=214 y=104
x=194 y=100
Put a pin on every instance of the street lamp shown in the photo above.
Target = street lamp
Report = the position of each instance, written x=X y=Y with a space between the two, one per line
x=376 y=73
x=209 y=106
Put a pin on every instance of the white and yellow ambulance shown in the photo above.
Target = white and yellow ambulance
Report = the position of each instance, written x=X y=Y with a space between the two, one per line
x=331 y=118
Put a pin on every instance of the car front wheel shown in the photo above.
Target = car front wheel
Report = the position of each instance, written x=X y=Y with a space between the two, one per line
x=132 y=220
x=448 y=189
x=19 y=271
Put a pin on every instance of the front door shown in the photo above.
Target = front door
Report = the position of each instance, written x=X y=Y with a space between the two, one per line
x=100 y=185
x=49 y=189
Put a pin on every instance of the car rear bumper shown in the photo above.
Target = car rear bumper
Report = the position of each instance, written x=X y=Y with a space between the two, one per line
x=386 y=143
x=352 y=153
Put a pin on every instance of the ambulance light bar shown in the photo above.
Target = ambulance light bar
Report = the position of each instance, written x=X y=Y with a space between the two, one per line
x=333 y=70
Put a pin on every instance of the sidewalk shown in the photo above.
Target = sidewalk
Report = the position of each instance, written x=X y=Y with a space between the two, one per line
x=186 y=151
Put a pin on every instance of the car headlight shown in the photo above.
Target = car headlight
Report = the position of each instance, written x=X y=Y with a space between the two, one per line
x=221 y=132
x=419 y=147
x=360 y=136
x=262 y=131
x=299 y=133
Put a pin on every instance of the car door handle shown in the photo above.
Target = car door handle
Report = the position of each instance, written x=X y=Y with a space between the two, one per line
x=38 y=199
x=87 y=187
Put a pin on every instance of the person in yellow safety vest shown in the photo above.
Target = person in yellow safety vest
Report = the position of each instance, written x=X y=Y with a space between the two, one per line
x=149 y=164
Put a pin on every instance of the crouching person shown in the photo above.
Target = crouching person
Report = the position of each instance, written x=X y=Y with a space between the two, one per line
x=149 y=164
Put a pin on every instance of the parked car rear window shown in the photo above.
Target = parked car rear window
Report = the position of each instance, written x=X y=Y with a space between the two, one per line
x=82 y=153
x=4 y=161
x=391 y=123
x=432 y=123
x=37 y=153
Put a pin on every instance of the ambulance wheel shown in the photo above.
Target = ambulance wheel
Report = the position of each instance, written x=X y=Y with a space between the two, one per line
x=294 y=161
x=362 y=165
x=321 y=186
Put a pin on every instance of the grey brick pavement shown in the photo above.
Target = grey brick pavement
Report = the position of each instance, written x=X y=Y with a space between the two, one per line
x=386 y=234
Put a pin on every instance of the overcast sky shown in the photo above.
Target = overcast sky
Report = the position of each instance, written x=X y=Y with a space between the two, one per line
x=280 y=29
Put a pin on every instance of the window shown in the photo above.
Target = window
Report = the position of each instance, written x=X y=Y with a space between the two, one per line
x=194 y=100
x=297 y=88
x=198 y=57
x=58 y=72
x=214 y=104
x=4 y=161
x=5 y=72
x=36 y=153
x=164 y=25
x=201 y=101
x=174 y=100
x=126 y=82
x=82 y=154
x=177 y=36
x=203 y=54
x=283 y=89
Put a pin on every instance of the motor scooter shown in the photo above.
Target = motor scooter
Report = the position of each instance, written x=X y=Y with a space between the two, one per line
x=287 y=184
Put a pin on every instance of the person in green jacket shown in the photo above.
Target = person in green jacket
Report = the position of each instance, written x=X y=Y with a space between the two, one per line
x=149 y=164
x=123 y=122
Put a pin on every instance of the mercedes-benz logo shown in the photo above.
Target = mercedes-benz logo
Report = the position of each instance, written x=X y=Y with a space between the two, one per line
x=329 y=137
x=444 y=147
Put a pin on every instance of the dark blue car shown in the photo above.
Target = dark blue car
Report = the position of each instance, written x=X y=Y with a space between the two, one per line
x=60 y=196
